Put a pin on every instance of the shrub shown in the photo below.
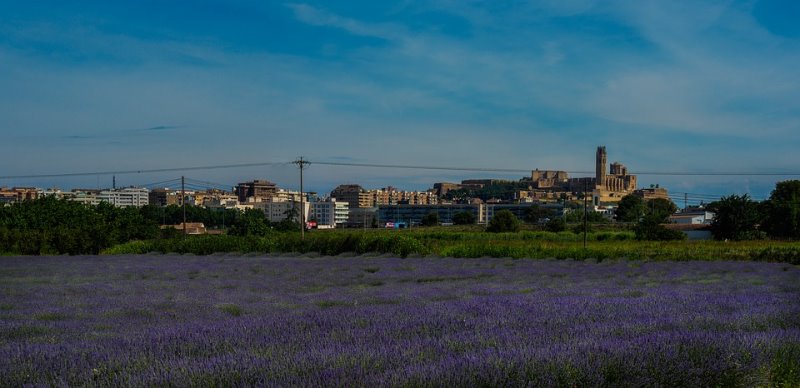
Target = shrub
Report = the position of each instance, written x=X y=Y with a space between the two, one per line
x=503 y=221
x=430 y=219
x=555 y=225
x=231 y=309
x=464 y=218
x=650 y=229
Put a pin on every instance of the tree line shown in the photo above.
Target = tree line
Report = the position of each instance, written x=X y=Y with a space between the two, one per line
x=57 y=226
x=736 y=217
x=739 y=217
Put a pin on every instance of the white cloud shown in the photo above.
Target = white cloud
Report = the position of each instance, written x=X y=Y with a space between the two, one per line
x=501 y=94
x=318 y=17
x=721 y=74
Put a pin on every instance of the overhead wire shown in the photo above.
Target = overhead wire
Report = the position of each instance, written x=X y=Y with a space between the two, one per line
x=678 y=196
x=514 y=170
x=143 y=171
x=155 y=184
x=394 y=166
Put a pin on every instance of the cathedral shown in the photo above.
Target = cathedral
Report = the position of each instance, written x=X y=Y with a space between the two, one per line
x=606 y=186
x=612 y=186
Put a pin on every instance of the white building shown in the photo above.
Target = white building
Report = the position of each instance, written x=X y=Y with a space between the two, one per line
x=329 y=214
x=52 y=192
x=86 y=197
x=222 y=202
x=127 y=197
x=341 y=213
x=279 y=211
x=700 y=217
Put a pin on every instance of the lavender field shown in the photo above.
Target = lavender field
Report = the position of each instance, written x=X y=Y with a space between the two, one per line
x=366 y=321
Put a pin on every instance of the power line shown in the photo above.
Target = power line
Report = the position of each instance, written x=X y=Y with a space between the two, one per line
x=161 y=183
x=393 y=166
x=709 y=173
x=514 y=170
x=410 y=167
x=155 y=170
x=209 y=184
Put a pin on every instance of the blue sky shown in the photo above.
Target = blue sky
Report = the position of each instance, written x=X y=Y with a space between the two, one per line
x=665 y=85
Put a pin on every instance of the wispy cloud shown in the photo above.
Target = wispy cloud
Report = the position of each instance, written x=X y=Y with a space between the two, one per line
x=442 y=82
x=161 y=128
x=318 y=17
x=122 y=133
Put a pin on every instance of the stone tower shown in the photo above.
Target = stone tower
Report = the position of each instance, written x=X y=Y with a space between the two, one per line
x=600 y=166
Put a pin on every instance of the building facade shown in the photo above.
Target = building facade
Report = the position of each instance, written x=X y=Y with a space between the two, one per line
x=126 y=197
x=652 y=193
x=520 y=209
x=255 y=191
x=18 y=194
x=413 y=214
x=613 y=186
x=365 y=217
x=277 y=211
x=329 y=214
x=354 y=195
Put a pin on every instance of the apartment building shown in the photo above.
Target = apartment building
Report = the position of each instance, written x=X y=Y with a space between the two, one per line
x=255 y=191
x=328 y=214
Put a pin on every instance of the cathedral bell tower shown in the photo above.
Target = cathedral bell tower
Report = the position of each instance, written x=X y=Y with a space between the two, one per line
x=600 y=166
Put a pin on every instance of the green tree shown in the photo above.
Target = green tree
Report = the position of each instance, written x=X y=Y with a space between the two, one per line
x=503 y=221
x=464 y=218
x=735 y=218
x=251 y=222
x=651 y=225
x=534 y=213
x=292 y=220
x=782 y=210
x=49 y=225
x=661 y=208
x=576 y=216
x=631 y=208
x=430 y=219
x=556 y=225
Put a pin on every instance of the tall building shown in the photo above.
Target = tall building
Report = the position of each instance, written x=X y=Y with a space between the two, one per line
x=611 y=187
x=258 y=190
x=600 y=165
x=329 y=214
x=164 y=197
x=354 y=195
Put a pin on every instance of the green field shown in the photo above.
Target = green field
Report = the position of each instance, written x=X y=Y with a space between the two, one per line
x=466 y=243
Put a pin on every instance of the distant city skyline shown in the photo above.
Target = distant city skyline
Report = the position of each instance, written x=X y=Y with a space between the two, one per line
x=666 y=86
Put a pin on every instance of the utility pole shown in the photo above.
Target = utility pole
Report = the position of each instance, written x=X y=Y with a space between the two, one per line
x=685 y=200
x=183 y=202
x=302 y=164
